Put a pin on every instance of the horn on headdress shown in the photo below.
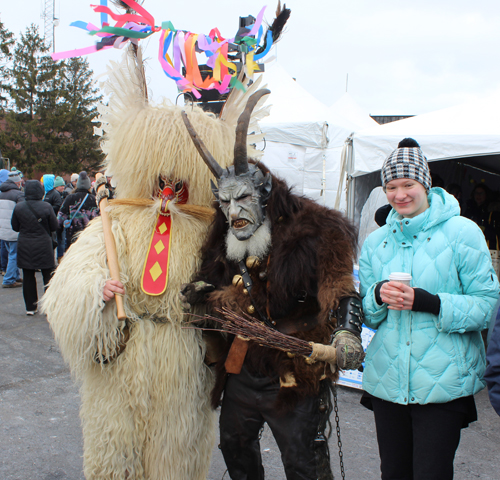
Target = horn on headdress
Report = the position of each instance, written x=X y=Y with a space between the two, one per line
x=240 y=145
x=212 y=164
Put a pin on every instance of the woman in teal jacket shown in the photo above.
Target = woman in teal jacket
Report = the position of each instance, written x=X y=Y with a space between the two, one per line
x=427 y=359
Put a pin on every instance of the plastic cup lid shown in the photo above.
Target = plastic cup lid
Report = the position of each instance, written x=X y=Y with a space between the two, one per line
x=399 y=276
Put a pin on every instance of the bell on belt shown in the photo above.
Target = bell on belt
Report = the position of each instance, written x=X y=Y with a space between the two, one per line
x=251 y=309
x=253 y=262
x=237 y=280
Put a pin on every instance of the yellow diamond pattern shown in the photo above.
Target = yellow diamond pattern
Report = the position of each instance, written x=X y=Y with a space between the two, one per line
x=159 y=247
x=163 y=228
x=155 y=271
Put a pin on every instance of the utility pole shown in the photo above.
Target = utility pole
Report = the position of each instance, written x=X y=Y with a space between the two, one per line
x=50 y=22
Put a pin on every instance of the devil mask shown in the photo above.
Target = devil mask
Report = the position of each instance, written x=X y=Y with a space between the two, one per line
x=242 y=189
x=242 y=199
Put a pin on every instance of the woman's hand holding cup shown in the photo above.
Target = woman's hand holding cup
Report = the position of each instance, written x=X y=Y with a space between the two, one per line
x=397 y=292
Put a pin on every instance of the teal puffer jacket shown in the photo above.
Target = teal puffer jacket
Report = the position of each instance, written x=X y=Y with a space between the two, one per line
x=418 y=357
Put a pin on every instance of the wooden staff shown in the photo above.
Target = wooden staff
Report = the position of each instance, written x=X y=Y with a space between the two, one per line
x=109 y=241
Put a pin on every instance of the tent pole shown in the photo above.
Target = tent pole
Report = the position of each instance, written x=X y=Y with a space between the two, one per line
x=351 y=181
x=343 y=168
x=323 y=180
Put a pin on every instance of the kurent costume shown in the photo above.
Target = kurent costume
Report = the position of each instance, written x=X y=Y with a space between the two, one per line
x=146 y=413
x=286 y=261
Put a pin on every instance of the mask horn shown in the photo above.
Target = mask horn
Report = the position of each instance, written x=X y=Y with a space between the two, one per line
x=240 y=145
x=212 y=164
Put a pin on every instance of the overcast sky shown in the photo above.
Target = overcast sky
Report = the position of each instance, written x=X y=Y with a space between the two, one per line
x=401 y=57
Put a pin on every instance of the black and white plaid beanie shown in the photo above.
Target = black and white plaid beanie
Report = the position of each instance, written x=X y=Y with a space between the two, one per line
x=407 y=161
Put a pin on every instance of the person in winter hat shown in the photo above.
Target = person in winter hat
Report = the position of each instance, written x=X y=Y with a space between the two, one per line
x=426 y=360
x=70 y=186
x=83 y=182
x=77 y=209
x=15 y=177
x=59 y=184
x=407 y=161
x=10 y=196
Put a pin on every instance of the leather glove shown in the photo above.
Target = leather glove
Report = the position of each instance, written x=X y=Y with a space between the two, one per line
x=349 y=350
x=192 y=293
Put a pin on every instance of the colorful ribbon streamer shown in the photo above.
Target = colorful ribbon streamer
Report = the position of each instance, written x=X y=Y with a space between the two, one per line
x=184 y=47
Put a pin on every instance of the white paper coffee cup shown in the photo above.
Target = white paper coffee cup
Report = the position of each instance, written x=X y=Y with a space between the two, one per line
x=400 y=277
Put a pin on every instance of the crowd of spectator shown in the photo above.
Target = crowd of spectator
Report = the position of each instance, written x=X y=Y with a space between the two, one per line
x=39 y=220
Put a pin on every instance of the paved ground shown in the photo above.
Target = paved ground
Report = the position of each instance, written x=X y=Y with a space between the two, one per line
x=40 y=434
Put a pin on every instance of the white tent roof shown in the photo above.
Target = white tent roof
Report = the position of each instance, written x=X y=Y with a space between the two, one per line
x=297 y=117
x=471 y=129
x=346 y=107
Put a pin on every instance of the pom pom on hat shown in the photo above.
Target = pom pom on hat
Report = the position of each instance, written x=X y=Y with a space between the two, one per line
x=408 y=143
x=407 y=161
x=83 y=181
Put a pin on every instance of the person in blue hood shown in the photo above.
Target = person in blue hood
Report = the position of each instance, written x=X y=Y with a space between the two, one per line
x=51 y=196
x=427 y=358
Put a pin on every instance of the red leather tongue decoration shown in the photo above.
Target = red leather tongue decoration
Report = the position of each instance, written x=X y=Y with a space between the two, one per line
x=155 y=272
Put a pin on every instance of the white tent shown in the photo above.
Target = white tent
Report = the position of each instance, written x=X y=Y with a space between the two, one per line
x=303 y=138
x=346 y=107
x=468 y=134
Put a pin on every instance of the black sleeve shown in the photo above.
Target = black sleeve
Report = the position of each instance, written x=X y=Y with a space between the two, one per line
x=14 y=221
x=64 y=208
x=53 y=223
x=378 y=298
x=426 y=302
x=57 y=202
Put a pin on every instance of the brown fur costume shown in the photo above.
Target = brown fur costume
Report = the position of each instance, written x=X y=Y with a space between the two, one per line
x=308 y=270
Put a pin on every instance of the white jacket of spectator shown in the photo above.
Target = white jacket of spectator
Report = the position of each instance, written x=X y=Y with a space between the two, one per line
x=10 y=195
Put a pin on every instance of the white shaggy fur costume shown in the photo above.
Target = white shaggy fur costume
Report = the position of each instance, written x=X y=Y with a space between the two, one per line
x=146 y=414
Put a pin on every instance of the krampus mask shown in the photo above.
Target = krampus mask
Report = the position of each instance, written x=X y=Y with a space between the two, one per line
x=242 y=189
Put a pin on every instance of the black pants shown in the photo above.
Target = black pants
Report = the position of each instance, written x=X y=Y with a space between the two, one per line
x=416 y=442
x=249 y=402
x=30 y=293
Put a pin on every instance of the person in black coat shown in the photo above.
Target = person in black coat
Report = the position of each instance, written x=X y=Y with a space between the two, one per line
x=52 y=196
x=34 y=219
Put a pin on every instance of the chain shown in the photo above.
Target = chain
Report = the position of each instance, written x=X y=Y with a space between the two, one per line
x=339 y=441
